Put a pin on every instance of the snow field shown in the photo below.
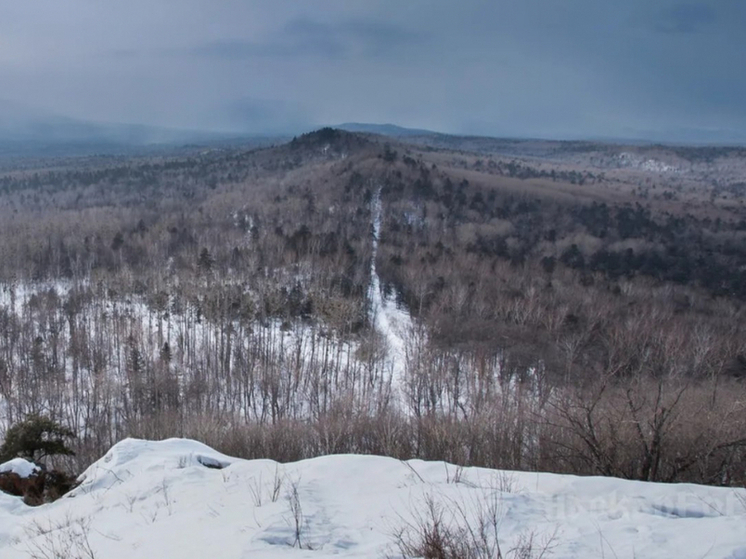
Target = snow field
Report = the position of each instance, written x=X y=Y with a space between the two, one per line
x=180 y=499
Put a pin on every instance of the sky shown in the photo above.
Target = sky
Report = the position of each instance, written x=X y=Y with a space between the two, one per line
x=661 y=69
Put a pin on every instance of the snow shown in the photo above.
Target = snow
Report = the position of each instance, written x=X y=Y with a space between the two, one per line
x=19 y=466
x=194 y=341
x=392 y=322
x=652 y=165
x=148 y=499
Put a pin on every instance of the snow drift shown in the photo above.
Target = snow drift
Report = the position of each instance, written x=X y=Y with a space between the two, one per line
x=181 y=499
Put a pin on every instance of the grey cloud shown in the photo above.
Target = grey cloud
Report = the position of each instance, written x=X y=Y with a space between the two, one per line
x=264 y=116
x=124 y=53
x=308 y=37
x=373 y=37
x=239 y=49
x=536 y=67
x=686 y=18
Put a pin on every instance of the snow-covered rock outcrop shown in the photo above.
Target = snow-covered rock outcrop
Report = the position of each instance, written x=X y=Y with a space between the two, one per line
x=22 y=468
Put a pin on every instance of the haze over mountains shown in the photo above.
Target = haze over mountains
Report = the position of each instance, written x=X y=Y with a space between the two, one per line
x=29 y=131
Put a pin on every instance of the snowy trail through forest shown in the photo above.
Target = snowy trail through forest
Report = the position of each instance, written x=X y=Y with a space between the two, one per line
x=392 y=322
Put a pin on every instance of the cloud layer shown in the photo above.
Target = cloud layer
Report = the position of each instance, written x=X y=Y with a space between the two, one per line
x=577 y=68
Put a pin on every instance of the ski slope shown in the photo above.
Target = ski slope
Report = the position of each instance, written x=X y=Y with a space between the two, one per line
x=180 y=499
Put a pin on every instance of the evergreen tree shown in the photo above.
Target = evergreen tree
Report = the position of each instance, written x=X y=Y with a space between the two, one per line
x=36 y=438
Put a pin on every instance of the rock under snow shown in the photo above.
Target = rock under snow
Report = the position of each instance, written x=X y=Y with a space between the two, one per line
x=22 y=468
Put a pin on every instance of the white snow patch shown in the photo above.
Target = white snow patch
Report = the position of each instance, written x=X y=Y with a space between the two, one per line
x=652 y=165
x=23 y=468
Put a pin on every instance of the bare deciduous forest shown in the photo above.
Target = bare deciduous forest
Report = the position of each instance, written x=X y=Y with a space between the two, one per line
x=572 y=307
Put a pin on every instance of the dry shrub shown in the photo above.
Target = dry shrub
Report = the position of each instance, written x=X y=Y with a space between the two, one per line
x=652 y=430
x=456 y=530
x=42 y=487
x=66 y=539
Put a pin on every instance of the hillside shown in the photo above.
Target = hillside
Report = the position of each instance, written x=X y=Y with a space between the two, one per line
x=346 y=293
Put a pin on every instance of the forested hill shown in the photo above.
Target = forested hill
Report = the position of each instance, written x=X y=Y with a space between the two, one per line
x=514 y=210
x=227 y=295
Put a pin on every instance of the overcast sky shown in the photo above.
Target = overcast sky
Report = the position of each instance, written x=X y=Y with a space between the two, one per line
x=552 y=68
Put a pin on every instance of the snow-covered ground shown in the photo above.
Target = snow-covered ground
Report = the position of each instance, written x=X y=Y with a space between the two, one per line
x=169 y=499
x=626 y=159
x=120 y=323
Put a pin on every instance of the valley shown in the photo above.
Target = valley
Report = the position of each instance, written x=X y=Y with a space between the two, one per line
x=352 y=293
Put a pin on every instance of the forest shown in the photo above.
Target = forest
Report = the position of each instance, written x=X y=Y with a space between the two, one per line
x=350 y=293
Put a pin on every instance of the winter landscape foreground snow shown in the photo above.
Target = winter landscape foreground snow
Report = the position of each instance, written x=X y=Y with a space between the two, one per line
x=181 y=499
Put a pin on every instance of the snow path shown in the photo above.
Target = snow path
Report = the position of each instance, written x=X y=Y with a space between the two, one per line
x=392 y=322
x=158 y=499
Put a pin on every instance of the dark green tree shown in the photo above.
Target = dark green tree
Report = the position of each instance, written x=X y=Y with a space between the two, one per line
x=35 y=438
x=205 y=261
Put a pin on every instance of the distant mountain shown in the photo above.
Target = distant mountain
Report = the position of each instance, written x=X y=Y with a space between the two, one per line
x=669 y=136
x=28 y=131
x=692 y=136
x=384 y=129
